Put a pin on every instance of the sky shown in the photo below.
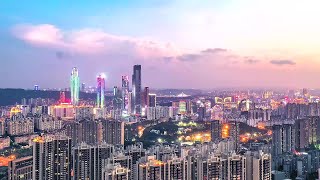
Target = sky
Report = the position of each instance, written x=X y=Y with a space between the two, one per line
x=179 y=43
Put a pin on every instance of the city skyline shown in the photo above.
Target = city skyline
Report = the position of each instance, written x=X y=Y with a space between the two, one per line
x=212 y=44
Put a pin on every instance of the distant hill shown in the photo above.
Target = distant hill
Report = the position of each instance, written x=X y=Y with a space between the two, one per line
x=13 y=96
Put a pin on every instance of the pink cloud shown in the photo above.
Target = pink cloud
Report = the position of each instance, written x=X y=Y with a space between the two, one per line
x=90 y=41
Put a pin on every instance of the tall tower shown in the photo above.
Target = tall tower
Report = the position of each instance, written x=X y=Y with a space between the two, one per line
x=74 y=86
x=136 y=89
x=100 y=90
x=125 y=94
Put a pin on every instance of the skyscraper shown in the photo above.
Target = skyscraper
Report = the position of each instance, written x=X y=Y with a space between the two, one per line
x=136 y=89
x=74 y=86
x=100 y=90
x=146 y=96
x=152 y=100
x=215 y=129
x=125 y=94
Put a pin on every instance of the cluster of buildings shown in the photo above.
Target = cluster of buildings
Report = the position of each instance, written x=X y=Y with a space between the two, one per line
x=54 y=157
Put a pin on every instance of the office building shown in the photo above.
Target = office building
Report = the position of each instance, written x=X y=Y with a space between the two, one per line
x=52 y=157
x=74 y=86
x=146 y=97
x=125 y=95
x=136 y=89
x=101 y=91
x=20 y=169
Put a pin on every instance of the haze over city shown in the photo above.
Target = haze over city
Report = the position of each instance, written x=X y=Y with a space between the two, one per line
x=209 y=43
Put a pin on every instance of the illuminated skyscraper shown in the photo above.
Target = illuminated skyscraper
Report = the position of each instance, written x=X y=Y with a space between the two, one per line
x=136 y=89
x=74 y=86
x=100 y=90
x=125 y=94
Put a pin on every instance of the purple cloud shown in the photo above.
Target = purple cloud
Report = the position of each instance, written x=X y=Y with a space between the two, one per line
x=282 y=62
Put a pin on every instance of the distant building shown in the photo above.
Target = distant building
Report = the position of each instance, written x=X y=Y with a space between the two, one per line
x=48 y=123
x=63 y=111
x=83 y=112
x=19 y=125
x=101 y=91
x=4 y=142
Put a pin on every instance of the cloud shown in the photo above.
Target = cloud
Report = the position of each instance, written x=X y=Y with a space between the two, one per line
x=62 y=55
x=215 y=50
x=207 y=54
x=90 y=41
x=283 y=62
x=252 y=61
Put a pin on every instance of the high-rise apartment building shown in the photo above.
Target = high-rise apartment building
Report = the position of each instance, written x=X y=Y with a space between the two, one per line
x=52 y=157
x=116 y=172
x=20 y=169
x=258 y=166
x=90 y=161
x=237 y=167
x=113 y=131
